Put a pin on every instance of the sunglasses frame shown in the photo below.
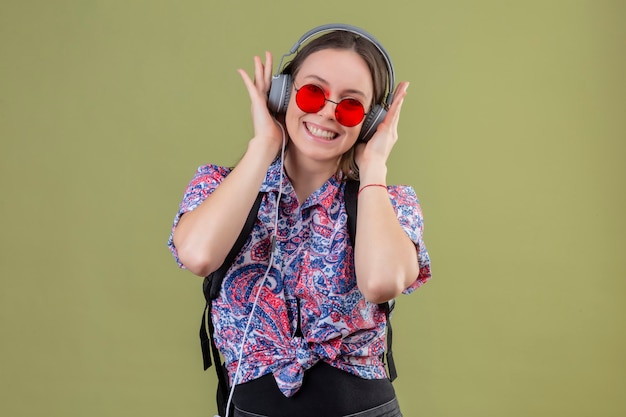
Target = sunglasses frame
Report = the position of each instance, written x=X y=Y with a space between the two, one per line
x=326 y=99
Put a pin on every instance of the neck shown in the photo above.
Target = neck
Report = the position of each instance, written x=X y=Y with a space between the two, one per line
x=306 y=176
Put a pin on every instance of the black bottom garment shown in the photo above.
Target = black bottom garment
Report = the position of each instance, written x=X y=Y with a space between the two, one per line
x=326 y=392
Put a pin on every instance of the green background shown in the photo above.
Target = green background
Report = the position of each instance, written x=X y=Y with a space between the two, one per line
x=513 y=134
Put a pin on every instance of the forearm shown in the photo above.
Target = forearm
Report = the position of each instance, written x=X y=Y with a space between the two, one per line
x=385 y=257
x=204 y=236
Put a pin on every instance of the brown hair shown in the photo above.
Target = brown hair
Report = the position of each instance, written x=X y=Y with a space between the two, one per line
x=375 y=61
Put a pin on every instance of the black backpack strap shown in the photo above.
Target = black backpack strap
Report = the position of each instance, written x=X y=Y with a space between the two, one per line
x=206 y=343
x=391 y=364
x=211 y=289
x=350 y=195
x=213 y=283
x=223 y=387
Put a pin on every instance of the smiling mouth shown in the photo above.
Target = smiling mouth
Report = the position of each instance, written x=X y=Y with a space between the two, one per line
x=321 y=133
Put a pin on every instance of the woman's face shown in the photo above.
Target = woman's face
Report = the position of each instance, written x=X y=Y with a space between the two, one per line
x=341 y=74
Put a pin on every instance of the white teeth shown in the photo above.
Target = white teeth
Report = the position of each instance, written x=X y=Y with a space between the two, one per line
x=320 y=132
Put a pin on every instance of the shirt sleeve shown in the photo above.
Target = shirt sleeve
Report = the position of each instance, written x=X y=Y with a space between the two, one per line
x=202 y=185
x=409 y=213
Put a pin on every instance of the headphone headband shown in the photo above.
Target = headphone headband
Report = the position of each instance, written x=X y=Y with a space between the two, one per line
x=357 y=31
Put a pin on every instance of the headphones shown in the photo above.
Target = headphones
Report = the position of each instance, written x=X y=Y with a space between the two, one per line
x=280 y=90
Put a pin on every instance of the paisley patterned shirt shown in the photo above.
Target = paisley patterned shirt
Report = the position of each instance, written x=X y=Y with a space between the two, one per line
x=310 y=307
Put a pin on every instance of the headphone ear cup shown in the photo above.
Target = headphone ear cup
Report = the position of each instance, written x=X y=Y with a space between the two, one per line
x=374 y=117
x=280 y=92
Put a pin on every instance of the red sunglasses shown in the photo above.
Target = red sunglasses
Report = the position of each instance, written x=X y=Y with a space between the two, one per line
x=310 y=98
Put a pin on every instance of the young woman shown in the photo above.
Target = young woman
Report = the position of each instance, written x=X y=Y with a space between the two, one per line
x=298 y=319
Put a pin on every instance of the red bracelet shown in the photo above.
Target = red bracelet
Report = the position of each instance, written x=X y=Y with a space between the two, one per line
x=370 y=185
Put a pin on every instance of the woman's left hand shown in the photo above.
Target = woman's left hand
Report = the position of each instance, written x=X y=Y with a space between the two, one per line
x=385 y=259
x=377 y=149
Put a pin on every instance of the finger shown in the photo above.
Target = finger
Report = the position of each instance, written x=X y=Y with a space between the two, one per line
x=268 y=69
x=253 y=93
x=259 y=75
x=246 y=79
x=401 y=92
x=396 y=105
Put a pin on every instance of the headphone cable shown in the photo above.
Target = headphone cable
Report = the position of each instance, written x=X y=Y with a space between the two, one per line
x=269 y=266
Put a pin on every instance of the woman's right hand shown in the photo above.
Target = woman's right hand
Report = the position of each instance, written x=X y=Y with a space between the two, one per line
x=266 y=127
x=204 y=235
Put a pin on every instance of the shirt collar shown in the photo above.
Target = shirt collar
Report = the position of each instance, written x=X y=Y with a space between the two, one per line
x=324 y=196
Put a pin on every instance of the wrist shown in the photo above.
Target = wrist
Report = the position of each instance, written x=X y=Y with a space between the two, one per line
x=370 y=174
x=263 y=148
x=372 y=166
x=257 y=159
x=371 y=185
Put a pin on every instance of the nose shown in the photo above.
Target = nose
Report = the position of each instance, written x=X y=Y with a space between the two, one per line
x=329 y=109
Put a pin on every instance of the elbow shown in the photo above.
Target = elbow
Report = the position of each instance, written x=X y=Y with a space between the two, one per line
x=387 y=279
x=377 y=290
x=195 y=259
x=197 y=265
x=377 y=298
x=381 y=279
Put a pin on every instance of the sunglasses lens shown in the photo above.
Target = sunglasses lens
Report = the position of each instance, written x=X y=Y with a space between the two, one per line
x=310 y=98
x=349 y=112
